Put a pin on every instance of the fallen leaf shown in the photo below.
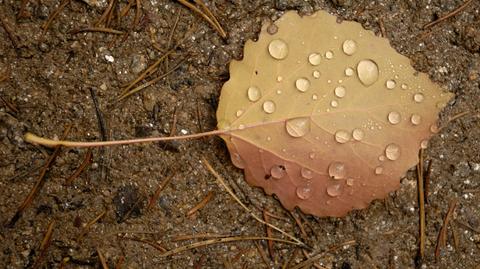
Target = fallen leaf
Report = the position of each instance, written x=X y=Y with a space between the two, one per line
x=326 y=115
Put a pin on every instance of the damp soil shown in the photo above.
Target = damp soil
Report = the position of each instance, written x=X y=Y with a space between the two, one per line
x=60 y=78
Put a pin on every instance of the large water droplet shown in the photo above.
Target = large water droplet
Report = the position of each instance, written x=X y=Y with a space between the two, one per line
x=367 y=71
x=334 y=190
x=269 y=107
x=340 y=91
x=329 y=54
x=418 y=97
x=392 y=151
x=253 y=93
x=314 y=58
x=390 y=84
x=349 y=72
x=306 y=173
x=358 y=134
x=394 y=117
x=342 y=136
x=304 y=192
x=415 y=119
x=302 y=84
x=278 y=49
x=298 y=127
x=277 y=171
x=349 y=47
x=337 y=170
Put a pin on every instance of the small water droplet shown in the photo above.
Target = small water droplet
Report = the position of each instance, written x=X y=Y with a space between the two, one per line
x=390 y=84
x=278 y=49
x=277 y=171
x=302 y=84
x=350 y=181
x=311 y=155
x=349 y=47
x=298 y=127
x=434 y=128
x=358 y=134
x=424 y=144
x=340 y=91
x=279 y=79
x=316 y=74
x=342 y=136
x=304 y=192
x=314 y=97
x=415 y=119
x=306 y=173
x=381 y=158
x=279 y=92
x=334 y=103
x=367 y=71
x=253 y=93
x=418 y=97
x=392 y=151
x=378 y=170
x=269 y=107
x=238 y=161
x=314 y=58
x=337 y=170
x=239 y=112
x=394 y=117
x=404 y=86
x=349 y=72
x=334 y=190
x=269 y=138
x=329 y=54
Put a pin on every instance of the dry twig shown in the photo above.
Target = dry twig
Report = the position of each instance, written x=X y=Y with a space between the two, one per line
x=448 y=15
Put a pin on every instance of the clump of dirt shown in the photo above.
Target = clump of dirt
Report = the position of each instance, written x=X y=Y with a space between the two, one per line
x=130 y=203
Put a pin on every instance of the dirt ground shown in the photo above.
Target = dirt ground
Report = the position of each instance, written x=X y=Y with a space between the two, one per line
x=63 y=78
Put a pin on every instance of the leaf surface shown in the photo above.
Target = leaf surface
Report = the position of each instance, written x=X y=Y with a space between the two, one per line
x=326 y=115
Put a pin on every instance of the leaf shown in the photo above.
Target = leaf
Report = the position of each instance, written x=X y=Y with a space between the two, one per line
x=326 y=115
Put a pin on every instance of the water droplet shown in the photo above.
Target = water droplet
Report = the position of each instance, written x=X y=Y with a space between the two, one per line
x=334 y=190
x=279 y=79
x=434 y=128
x=314 y=97
x=358 y=134
x=304 y=192
x=404 y=86
x=253 y=93
x=241 y=126
x=381 y=158
x=415 y=119
x=378 y=170
x=350 y=181
x=342 y=136
x=349 y=72
x=312 y=155
x=302 y=84
x=306 y=173
x=392 y=151
x=334 y=103
x=314 y=58
x=418 y=97
x=340 y=91
x=394 y=117
x=424 y=144
x=279 y=92
x=329 y=54
x=278 y=49
x=337 y=170
x=239 y=112
x=316 y=74
x=349 y=47
x=269 y=138
x=269 y=107
x=367 y=71
x=238 y=161
x=298 y=127
x=278 y=171
x=390 y=84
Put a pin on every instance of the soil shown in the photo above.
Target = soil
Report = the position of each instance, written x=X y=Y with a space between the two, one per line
x=60 y=78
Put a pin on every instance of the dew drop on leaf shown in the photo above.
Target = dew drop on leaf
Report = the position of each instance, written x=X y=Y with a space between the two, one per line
x=342 y=136
x=329 y=54
x=269 y=107
x=418 y=97
x=350 y=181
x=349 y=72
x=298 y=127
x=367 y=71
x=337 y=170
x=334 y=103
x=278 y=49
x=358 y=134
x=390 y=84
x=314 y=59
x=378 y=170
x=392 y=151
x=316 y=74
x=304 y=192
x=334 y=190
x=424 y=144
x=415 y=119
x=306 y=173
x=277 y=171
x=349 y=47
x=253 y=93
x=302 y=84
x=340 y=91
x=394 y=117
